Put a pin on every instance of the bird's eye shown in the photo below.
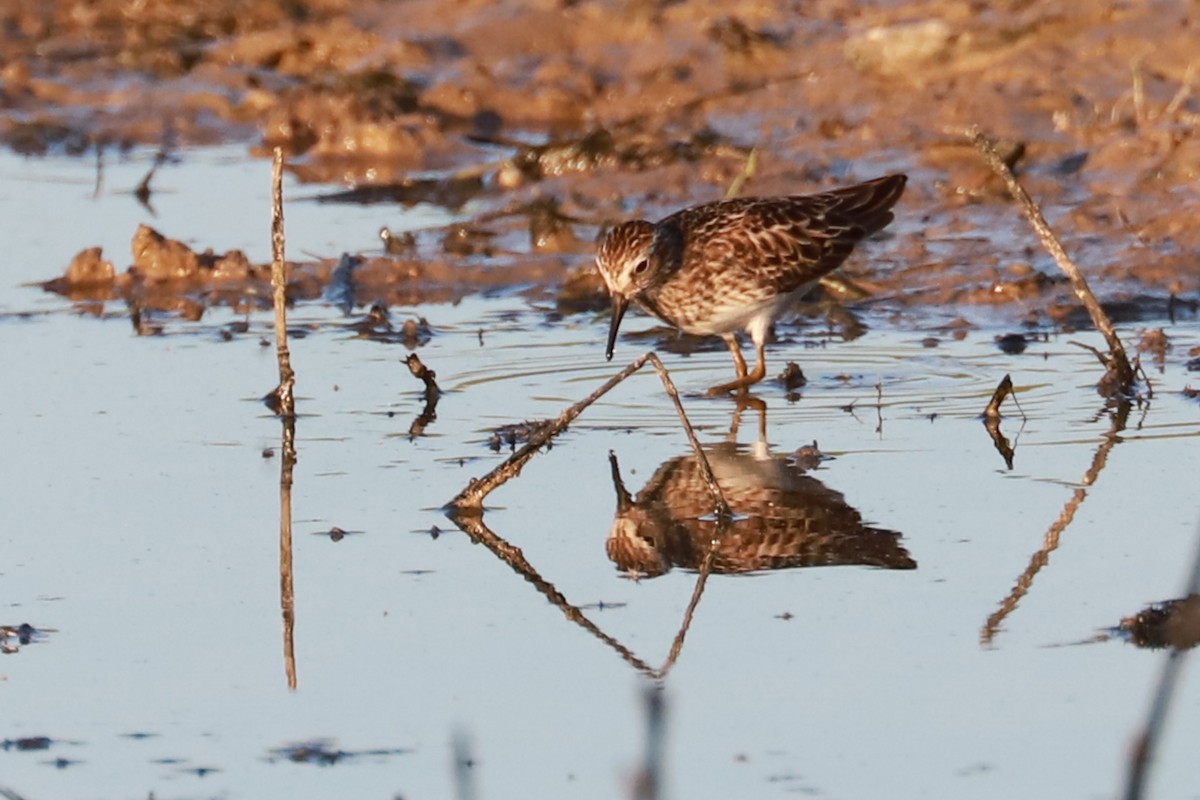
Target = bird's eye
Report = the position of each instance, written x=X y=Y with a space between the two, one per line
x=641 y=267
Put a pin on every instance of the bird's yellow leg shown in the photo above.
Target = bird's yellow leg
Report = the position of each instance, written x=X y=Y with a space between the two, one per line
x=743 y=379
x=735 y=349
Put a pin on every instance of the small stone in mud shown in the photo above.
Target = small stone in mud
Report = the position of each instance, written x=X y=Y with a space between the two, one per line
x=1154 y=342
x=377 y=326
x=792 y=376
x=416 y=332
x=89 y=268
x=397 y=243
x=161 y=259
x=550 y=230
x=1171 y=623
x=808 y=456
x=465 y=240
x=336 y=534
x=899 y=49
x=1012 y=343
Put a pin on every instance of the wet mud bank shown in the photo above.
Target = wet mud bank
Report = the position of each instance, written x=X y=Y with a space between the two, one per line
x=542 y=123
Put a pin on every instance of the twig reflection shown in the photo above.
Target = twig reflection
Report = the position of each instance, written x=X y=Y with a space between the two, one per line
x=474 y=526
x=287 y=586
x=1120 y=417
x=470 y=499
x=781 y=518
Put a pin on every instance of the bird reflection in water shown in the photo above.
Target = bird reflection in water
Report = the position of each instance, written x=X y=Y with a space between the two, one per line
x=783 y=518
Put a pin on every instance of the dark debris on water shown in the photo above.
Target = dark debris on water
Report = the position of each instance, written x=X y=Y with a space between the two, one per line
x=518 y=433
x=1171 y=623
x=325 y=753
x=27 y=743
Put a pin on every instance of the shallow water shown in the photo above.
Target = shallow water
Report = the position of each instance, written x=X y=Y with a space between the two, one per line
x=142 y=534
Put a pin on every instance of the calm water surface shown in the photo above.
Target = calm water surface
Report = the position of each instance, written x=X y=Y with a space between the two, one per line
x=141 y=531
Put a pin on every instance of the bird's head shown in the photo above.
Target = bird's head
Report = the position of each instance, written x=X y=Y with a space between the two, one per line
x=628 y=264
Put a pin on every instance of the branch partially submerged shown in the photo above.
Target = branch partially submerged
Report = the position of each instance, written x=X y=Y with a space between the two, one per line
x=1003 y=390
x=991 y=419
x=470 y=500
x=1120 y=375
x=425 y=375
x=282 y=400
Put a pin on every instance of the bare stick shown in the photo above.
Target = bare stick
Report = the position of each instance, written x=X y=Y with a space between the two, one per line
x=285 y=401
x=1120 y=372
x=1003 y=390
x=470 y=499
x=991 y=419
x=710 y=480
x=424 y=374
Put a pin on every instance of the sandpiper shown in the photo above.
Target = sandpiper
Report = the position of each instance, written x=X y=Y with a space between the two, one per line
x=738 y=264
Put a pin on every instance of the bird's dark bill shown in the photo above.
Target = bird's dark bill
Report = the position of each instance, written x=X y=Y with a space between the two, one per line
x=619 y=304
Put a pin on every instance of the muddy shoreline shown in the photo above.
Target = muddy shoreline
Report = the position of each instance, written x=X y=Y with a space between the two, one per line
x=548 y=121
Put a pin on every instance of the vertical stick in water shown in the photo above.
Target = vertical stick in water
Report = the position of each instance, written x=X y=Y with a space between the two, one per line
x=285 y=404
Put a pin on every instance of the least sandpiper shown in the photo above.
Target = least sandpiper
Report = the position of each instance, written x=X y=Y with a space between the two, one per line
x=738 y=264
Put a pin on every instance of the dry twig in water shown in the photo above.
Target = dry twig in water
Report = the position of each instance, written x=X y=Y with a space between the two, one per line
x=432 y=393
x=282 y=400
x=1003 y=390
x=425 y=374
x=470 y=499
x=991 y=419
x=1119 y=376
